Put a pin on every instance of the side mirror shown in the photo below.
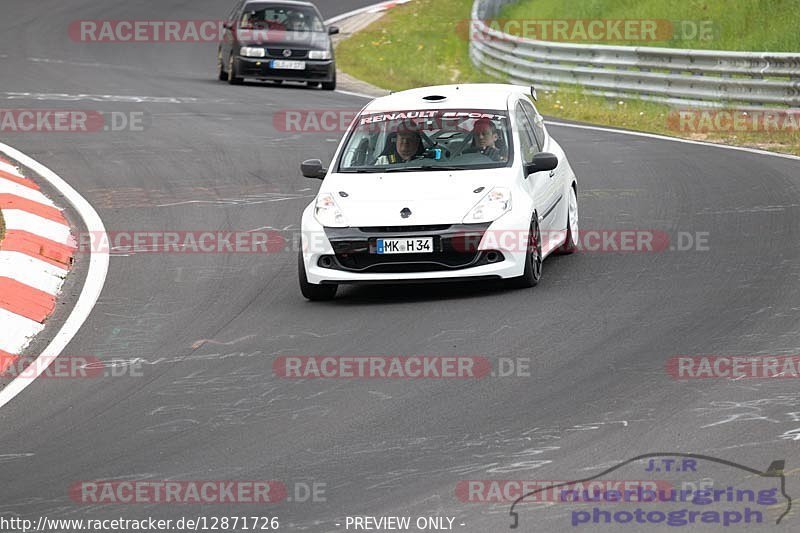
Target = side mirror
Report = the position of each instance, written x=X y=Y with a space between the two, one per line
x=312 y=168
x=543 y=161
x=333 y=30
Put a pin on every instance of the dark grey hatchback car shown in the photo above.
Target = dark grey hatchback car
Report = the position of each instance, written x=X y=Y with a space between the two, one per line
x=279 y=40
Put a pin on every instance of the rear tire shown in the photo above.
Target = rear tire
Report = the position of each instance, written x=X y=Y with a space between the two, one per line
x=315 y=293
x=573 y=232
x=533 y=259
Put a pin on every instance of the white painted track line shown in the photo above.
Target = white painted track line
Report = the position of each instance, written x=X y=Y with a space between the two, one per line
x=672 y=139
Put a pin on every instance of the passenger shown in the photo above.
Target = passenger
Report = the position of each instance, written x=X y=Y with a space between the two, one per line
x=485 y=140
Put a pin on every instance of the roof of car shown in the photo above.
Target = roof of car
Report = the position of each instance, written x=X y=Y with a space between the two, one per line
x=466 y=96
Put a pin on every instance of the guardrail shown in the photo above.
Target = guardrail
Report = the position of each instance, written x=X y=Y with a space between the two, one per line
x=669 y=75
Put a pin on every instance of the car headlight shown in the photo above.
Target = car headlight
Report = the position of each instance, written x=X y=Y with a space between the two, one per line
x=492 y=206
x=327 y=212
x=252 y=51
x=319 y=54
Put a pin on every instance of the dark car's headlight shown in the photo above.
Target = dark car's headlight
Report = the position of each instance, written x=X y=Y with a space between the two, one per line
x=252 y=51
x=319 y=54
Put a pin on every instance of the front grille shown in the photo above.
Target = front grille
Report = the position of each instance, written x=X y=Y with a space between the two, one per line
x=278 y=53
x=454 y=247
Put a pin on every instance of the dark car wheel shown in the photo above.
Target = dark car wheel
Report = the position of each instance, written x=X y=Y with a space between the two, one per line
x=221 y=74
x=313 y=292
x=232 y=78
x=329 y=85
x=533 y=259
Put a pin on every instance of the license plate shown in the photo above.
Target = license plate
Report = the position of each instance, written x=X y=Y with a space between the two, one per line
x=405 y=245
x=288 y=65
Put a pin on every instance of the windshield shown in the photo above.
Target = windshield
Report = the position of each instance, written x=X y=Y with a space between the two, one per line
x=410 y=140
x=272 y=17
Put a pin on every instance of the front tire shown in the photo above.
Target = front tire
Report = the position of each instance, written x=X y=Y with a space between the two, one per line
x=233 y=79
x=315 y=293
x=221 y=74
x=533 y=259
x=329 y=85
x=573 y=233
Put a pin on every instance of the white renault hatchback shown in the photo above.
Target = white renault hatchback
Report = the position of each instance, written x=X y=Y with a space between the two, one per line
x=455 y=182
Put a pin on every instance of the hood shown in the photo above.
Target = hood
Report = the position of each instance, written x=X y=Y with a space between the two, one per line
x=432 y=197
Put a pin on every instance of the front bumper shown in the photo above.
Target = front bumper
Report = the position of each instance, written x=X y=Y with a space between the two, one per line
x=344 y=255
x=316 y=71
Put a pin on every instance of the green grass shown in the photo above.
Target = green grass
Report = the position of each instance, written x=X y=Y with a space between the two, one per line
x=422 y=43
x=756 y=25
x=413 y=45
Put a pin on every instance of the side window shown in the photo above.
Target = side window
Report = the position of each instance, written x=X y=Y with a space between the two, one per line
x=537 y=122
x=527 y=140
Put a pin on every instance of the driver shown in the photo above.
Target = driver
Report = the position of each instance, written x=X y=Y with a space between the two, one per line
x=407 y=145
x=484 y=140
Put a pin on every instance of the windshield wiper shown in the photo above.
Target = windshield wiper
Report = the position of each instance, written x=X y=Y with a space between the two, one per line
x=425 y=167
x=401 y=169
